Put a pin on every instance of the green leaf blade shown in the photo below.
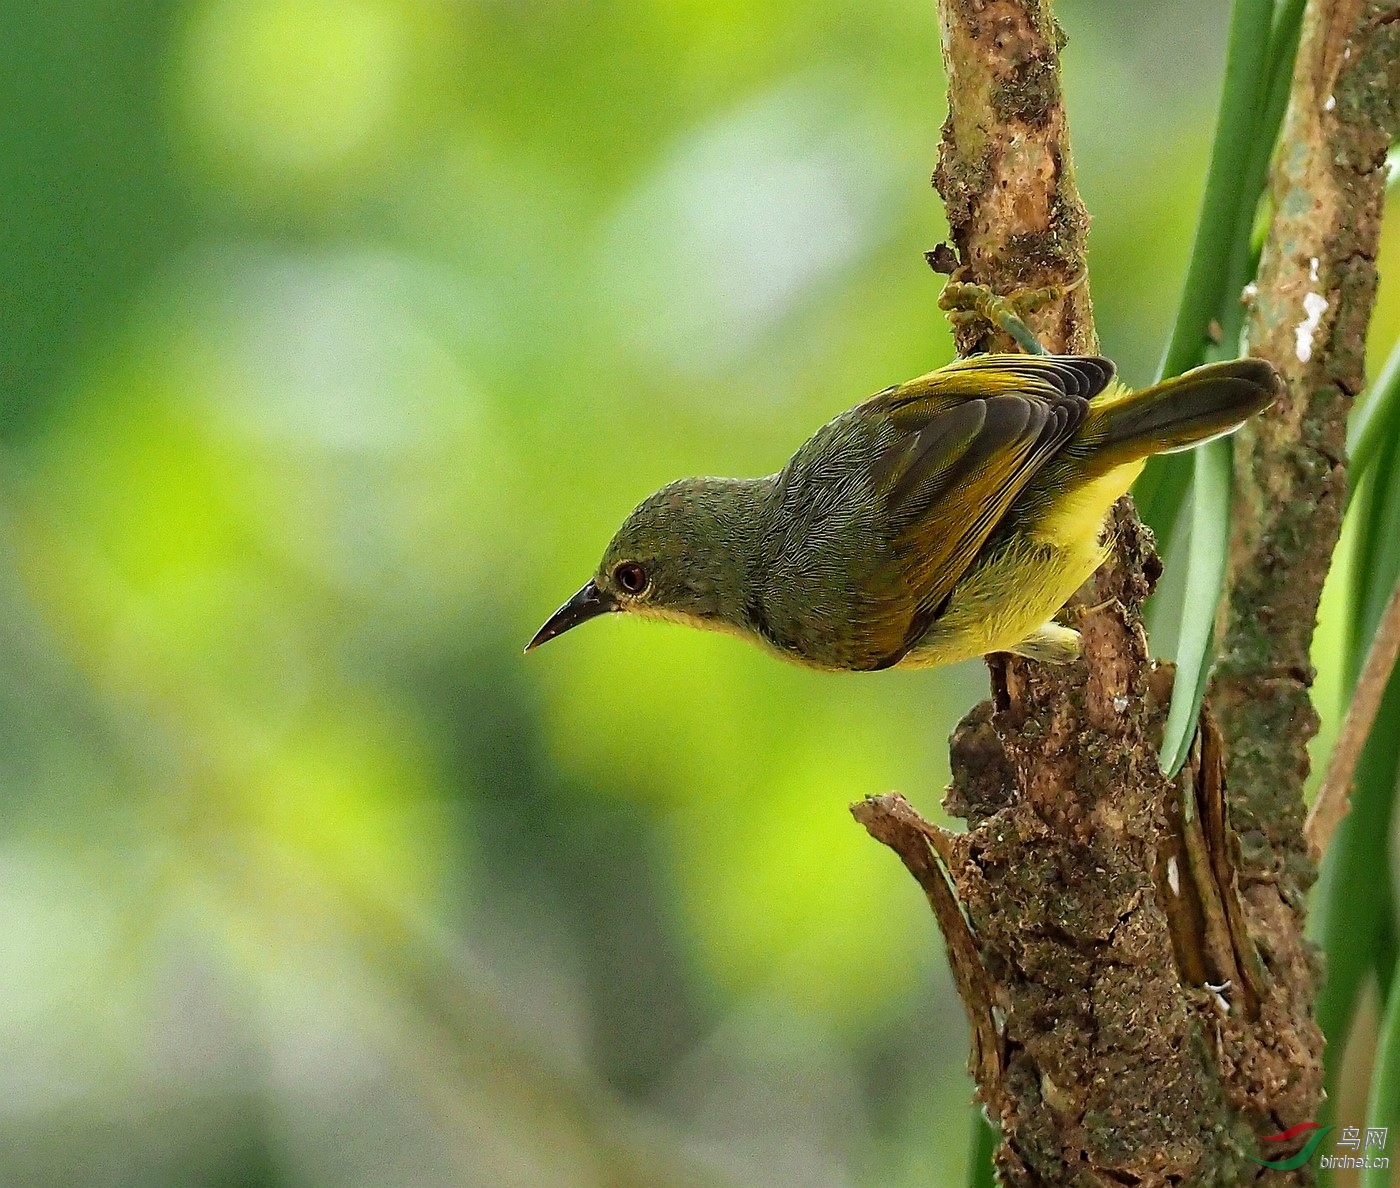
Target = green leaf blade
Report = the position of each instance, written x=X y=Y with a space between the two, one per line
x=1207 y=554
x=1160 y=493
x=1383 y=1108
x=1376 y=420
x=1356 y=927
x=1219 y=227
x=981 y=1172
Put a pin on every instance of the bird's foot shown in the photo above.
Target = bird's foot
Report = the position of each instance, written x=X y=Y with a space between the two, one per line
x=1082 y=612
x=1051 y=643
x=969 y=301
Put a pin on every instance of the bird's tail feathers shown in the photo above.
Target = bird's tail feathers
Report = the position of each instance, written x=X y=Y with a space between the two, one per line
x=1205 y=403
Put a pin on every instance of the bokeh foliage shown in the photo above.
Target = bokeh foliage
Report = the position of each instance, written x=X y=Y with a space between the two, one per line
x=337 y=338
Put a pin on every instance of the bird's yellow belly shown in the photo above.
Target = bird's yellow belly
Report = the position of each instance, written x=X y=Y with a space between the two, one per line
x=1021 y=586
x=1006 y=600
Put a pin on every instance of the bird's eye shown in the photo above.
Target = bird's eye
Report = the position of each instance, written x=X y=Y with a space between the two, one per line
x=631 y=577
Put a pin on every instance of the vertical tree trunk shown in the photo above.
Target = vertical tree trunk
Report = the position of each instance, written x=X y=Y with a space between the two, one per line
x=1129 y=948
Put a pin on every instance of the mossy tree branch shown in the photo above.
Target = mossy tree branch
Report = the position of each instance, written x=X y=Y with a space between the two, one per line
x=1004 y=165
x=1141 y=974
x=1317 y=284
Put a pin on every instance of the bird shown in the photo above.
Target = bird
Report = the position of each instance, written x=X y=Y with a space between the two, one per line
x=942 y=519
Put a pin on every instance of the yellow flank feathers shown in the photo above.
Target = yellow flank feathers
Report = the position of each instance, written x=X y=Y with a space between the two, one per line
x=1079 y=513
x=1009 y=599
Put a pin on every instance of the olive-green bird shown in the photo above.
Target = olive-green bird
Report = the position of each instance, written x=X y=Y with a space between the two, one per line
x=942 y=519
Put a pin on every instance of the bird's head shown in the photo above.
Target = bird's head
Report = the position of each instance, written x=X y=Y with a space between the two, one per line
x=681 y=555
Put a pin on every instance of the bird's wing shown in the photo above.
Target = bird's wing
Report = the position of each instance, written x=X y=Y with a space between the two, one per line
x=965 y=441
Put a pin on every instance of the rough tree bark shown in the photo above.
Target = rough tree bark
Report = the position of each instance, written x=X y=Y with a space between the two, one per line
x=1130 y=949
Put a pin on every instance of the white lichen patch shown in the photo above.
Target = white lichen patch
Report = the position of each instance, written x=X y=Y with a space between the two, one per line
x=1330 y=104
x=1312 y=270
x=1314 y=306
x=1173 y=876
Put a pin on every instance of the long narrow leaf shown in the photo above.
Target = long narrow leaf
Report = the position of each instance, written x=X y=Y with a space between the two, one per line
x=1227 y=257
x=1384 y=1107
x=1160 y=493
x=1246 y=77
x=1243 y=260
x=1220 y=247
x=1376 y=420
x=1354 y=904
x=1353 y=901
x=984 y=1139
x=1386 y=954
x=1205 y=578
x=1283 y=52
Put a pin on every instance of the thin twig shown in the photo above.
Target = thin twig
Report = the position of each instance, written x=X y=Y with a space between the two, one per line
x=1334 y=798
x=923 y=848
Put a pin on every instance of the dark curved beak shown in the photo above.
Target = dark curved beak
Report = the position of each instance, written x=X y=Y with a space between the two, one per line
x=588 y=603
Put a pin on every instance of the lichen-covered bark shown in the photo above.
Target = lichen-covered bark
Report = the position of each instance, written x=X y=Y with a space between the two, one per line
x=1097 y=933
x=1316 y=287
x=1132 y=965
x=1317 y=283
x=1004 y=166
x=1098 y=918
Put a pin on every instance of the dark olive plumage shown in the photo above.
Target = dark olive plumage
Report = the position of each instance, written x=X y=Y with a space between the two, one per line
x=943 y=518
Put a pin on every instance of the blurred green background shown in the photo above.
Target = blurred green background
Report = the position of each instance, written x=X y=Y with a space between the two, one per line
x=337 y=337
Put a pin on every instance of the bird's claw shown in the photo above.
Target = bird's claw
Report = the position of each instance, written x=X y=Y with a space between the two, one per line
x=966 y=302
